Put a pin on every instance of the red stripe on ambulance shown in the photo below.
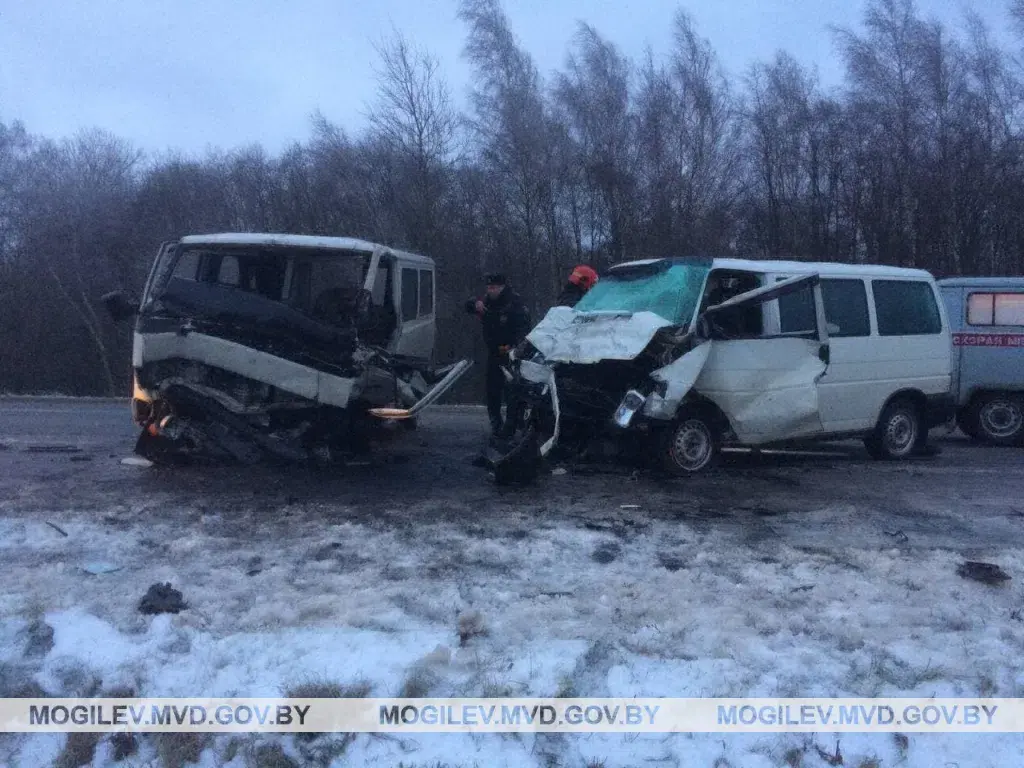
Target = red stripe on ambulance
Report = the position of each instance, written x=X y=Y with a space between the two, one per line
x=988 y=340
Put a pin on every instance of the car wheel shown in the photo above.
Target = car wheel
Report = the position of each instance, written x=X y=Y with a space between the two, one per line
x=898 y=434
x=999 y=418
x=690 y=445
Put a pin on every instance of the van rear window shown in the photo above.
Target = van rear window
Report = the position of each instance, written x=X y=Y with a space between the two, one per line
x=906 y=308
x=995 y=309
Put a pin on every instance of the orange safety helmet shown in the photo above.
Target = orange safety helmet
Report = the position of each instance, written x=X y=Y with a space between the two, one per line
x=583 y=276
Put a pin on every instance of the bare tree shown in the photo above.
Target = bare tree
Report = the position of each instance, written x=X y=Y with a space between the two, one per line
x=594 y=102
x=513 y=131
x=73 y=225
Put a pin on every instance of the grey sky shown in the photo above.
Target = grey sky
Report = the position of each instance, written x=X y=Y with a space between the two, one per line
x=191 y=74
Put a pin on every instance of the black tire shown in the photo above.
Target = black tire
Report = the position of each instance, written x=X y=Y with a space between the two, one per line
x=899 y=433
x=690 y=445
x=997 y=418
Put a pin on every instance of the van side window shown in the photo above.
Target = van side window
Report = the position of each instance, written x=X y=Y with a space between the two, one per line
x=906 y=308
x=426 y=292
x=796 y=312
x=995 y=309
x=741 y=322
x=846 y=307
x=410 y=293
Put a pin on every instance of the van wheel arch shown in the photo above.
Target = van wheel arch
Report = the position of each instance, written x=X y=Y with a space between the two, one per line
x=697 y=415
x=1004 y=425
x=907 y=407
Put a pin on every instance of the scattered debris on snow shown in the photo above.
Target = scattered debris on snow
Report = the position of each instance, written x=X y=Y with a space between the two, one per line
x=162 y=598
x=97 y=569
x=40 y=639
x=986 y=573
x=471 y=624
x=136 y=461
x=606 y=552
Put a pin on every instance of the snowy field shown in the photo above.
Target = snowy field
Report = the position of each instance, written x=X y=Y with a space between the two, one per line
x=415 y=577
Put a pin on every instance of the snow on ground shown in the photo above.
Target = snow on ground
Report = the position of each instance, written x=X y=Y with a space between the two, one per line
x=657 y=609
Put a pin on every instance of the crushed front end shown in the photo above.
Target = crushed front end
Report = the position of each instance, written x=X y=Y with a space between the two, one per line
x=252 y=349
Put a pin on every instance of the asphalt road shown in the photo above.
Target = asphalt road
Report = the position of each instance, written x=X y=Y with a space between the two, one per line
x=65 y=455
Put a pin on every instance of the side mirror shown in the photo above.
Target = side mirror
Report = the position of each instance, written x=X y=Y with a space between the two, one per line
x=119 y=306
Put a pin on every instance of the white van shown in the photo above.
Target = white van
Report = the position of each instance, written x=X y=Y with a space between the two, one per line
x=293 y=346
x=715 y=352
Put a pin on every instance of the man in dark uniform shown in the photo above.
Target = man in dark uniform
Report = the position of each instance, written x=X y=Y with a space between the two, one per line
x=505 y=321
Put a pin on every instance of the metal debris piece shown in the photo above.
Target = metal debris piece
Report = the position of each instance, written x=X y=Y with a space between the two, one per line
x=136 y=461
x=162 y=598
x=986 y=573
x=606 y=553
x=99 y=568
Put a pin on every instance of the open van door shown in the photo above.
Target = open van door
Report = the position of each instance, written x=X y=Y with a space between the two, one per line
x=767 y=385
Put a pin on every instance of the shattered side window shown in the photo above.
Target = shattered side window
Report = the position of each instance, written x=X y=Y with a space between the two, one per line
x=187 y=267
x=426 y=292
x=227 y=272
x=672 y=293
x=335 y=284
x=410 y=293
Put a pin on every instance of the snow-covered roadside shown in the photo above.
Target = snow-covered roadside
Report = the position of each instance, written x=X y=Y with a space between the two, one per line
x=656 y=609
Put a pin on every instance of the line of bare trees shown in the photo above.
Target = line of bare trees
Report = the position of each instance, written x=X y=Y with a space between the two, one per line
x=917 y=160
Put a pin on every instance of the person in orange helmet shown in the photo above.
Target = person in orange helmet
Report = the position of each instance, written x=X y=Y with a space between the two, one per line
x=581 y=279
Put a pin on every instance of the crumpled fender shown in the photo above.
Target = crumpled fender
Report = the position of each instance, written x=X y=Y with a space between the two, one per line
x=679 y=377
x=767 y=388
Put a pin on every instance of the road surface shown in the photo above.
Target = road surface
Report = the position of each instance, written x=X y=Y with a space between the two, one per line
x=967 y=499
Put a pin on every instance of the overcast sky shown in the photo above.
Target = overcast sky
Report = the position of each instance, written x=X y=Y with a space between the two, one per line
x=193 y=74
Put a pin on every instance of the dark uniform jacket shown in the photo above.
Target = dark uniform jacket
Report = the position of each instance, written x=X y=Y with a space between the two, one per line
x=505 y=320
x=570 y=294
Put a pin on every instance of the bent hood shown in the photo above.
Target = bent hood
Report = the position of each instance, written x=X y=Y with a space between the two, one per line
x=568 y=336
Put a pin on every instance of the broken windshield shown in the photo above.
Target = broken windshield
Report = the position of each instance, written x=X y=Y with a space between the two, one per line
x=669 y=290
x=312 y=281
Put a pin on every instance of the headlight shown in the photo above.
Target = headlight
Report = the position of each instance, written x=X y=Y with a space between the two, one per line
x=631 y=403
